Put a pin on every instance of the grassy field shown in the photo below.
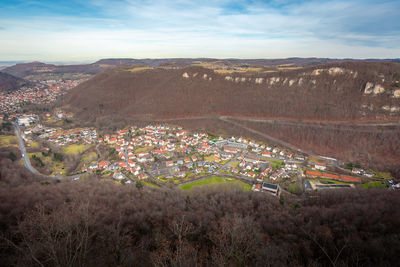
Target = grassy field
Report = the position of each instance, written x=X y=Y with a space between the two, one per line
x=143 y=149
x=276 y=164
x=54 y=167
x=34 y=145
x=383 y=175
x=140 y=69
x=149 y=184
x=215 y=180
x=75 y=149
x=210 y=158
x=89 y=157
x=239 y=71
x=8 y=140
x=374 y=184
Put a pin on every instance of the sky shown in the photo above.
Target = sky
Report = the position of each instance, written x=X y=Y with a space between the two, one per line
x=88 y=30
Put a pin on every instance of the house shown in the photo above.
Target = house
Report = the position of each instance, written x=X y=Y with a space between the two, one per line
x=118 y=176
x=180 y=174
x=169 y=163
x=266 y=154
x=131 y=163
x=257 y=188
x=251 y=174
x=357 y=171
x=273 y=189
x=103 y=164
x=320 y=166
x=93 y=166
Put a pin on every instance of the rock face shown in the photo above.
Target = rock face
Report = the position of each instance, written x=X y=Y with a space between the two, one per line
x=392 y=109
x=378 y=89
x=336 y=70
x=374 y=90
x=396 y=93
x=259 y=80
x=368 y=88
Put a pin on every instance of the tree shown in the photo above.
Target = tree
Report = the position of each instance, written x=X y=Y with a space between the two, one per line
x=12 y=156
x=139 y=185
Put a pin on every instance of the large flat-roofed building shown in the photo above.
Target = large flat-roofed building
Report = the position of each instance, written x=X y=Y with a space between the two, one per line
x=273 y=189
x=231 y=144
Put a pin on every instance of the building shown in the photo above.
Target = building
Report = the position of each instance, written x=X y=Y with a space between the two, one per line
x=273 y=189
x=231 y=144
x=320 y=166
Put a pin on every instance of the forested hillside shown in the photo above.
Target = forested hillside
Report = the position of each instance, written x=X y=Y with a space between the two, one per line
x=94 y=223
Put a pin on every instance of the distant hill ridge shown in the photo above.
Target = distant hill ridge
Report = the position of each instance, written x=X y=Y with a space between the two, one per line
x=10 y=83
x=22 y=70
x=347 y=90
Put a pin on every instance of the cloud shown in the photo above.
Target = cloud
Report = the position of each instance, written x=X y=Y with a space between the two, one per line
x=218 y=28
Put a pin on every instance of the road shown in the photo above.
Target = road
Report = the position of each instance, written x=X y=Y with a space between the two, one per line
x=25 y=158
x=28 y=164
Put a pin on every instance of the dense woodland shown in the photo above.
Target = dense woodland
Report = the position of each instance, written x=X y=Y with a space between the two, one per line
x=161 y=93
x=93 y=223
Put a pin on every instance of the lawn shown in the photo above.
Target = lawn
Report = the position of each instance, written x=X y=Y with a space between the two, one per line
x=276 y=164
x=89 y=157
x=8 y=140
x=374 y=184
x=75 y=149
x=215 y=180
x=34 y=145
x=143 y=149
x=383 y=175
x=149 y=184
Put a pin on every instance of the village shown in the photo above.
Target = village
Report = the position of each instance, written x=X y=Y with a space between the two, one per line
x=43 y=92
x=166 y=155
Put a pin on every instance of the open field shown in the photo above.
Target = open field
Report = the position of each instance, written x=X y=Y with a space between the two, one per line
x=34 y=145
x=75 y=149
x=8 y=140
x=143 y=149
x=215 y=180
x=374 y=184
x=140 y=69
x=150 y=184
x=383 y=175
x=52 y=166
x=239 y=71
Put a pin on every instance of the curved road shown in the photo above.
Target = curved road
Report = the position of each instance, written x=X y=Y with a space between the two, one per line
x=27 y=162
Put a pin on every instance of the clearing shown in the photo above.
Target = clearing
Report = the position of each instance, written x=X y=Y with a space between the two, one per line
x=216 y=180
x=75 y=149
x=8 y=140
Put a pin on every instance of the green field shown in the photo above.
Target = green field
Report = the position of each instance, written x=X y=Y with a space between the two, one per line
x=215 y=180
x=75 y=149
x=149 y=184
x=143 y=149
x=54 y=167
x=8 y=140
x=374 y=184
x=34 y=145
x=383 y=175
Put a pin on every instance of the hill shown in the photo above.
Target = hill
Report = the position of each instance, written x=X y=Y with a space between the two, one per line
x=38 y=70
x=10 y=83
x=328 y=92
x=348 y=110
